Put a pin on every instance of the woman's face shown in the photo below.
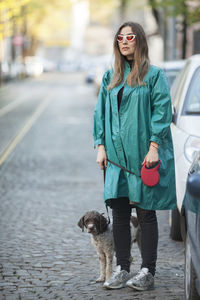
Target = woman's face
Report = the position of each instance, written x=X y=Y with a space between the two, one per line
x=126 y=42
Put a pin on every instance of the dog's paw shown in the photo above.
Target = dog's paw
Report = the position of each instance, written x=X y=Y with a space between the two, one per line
x=100 y=279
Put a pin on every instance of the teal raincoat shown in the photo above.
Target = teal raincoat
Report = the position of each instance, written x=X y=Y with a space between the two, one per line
x=144 y=116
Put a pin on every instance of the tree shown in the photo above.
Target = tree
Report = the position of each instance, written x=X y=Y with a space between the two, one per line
x=32 y=21
x=188 y=11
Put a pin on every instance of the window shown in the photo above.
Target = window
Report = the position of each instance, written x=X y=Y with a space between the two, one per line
x=192 y=99
x=177 y=87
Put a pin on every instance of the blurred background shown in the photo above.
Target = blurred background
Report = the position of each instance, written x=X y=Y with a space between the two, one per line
x=73 y=35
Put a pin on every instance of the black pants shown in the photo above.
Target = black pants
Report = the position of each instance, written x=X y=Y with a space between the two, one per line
x=121 y=210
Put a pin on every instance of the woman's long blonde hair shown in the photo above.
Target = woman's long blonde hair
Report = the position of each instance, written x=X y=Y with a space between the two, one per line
x=141 y=59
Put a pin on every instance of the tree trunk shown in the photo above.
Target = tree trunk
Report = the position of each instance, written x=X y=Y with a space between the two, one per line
x=184 y=40
x=123 y=4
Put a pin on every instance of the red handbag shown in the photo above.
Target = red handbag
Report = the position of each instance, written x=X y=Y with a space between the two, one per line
x=150 y=176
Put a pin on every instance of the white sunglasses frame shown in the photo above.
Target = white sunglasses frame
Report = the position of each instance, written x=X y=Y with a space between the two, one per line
x=125 y=37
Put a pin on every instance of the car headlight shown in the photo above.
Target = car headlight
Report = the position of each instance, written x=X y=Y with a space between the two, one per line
x=192 y=145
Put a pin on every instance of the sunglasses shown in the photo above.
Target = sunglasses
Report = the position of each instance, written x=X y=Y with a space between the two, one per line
x=128 y=37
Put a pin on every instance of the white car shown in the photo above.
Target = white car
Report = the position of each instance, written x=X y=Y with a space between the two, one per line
x=185 y=94
x=33 y=65
x=172 y=68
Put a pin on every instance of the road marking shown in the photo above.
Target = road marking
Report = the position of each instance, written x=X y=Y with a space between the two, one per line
x=24 y=130
x=14 y=104
x=11 y=106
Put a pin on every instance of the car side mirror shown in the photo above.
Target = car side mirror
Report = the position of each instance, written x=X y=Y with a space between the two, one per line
x=174 y=114
x=193 y=185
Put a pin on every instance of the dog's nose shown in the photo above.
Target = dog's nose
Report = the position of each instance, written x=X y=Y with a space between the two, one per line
x=90 y=227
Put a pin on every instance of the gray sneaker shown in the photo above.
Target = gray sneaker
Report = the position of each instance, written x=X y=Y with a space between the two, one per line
x=118 y=279
x=143 y=281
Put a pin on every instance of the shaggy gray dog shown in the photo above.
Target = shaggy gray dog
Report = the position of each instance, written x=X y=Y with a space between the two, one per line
x=102 y=239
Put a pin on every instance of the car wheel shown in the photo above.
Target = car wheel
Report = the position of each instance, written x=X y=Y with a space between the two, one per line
x=175 y=225
x=190 y=275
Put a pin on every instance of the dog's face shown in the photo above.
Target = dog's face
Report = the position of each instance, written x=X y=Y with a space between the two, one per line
x=94 y=222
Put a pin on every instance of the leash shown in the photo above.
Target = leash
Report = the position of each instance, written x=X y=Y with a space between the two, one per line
x=104 y=177
x=124 y=169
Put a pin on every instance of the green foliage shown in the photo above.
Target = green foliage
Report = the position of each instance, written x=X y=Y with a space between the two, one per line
x=189 y=9
x=34 y=18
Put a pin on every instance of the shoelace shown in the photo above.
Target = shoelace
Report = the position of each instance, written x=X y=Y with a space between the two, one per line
x=140 y=274
x=116 y=272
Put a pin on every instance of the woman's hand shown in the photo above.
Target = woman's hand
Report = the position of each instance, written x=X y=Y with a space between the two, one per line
x=152 y=156
x=101 y=157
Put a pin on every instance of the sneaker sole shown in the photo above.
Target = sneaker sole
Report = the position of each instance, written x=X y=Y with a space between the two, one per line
x=138 y=288
x=115 y=287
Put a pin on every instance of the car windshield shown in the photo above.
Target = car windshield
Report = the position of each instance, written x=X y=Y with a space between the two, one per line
x=192 y=101
x=171 y=75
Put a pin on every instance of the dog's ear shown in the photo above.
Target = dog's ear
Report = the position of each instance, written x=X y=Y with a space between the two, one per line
x=103 y=223
x=81 y=223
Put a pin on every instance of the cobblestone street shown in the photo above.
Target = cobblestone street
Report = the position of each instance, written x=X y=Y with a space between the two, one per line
x=49 y=180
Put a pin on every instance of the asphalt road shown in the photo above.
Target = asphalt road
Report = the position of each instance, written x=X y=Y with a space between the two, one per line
x=48 y=179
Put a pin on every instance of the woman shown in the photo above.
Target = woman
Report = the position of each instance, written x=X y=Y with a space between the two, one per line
x=132 y=127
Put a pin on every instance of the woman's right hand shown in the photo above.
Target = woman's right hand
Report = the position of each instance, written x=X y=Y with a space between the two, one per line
x=101 y=157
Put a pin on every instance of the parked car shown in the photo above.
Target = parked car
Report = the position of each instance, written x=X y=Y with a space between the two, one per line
x=18 y=69
x=185 y=131
x=34 y=66
x=105 y=62
x=5 y=71
x=172 y=69
x=13 y=70
x=48 y=65
x=192 y=232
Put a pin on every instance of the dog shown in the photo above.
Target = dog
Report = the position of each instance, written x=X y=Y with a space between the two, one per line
x=102 y=238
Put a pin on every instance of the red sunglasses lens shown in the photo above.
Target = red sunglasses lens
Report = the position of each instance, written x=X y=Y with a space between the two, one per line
x=120 y=38
x=130 y=37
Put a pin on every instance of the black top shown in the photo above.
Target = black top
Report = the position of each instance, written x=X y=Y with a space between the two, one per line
x=120 y=93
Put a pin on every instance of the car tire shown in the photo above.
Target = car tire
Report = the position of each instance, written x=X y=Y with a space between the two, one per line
x=190 y=275
x=175 y=228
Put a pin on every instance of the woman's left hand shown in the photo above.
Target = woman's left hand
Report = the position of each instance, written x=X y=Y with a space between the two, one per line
x=152 y=157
